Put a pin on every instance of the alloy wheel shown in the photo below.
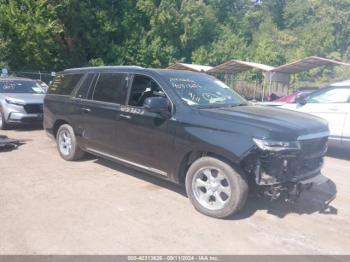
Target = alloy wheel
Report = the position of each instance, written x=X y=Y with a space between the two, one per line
x=65 y=142
x=211 y=188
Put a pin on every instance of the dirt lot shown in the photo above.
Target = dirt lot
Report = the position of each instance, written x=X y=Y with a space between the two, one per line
x=50 y=206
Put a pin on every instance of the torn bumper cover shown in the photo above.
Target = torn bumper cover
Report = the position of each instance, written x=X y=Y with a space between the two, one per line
x=6 y=142
x=278 y=167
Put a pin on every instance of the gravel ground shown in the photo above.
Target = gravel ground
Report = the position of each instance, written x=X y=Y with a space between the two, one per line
x=50 y=206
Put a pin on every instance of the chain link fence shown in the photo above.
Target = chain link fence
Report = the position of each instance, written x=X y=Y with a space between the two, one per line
x=253 y=86
x=46 y=77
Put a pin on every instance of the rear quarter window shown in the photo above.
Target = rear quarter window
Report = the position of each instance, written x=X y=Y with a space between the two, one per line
x=64 y=84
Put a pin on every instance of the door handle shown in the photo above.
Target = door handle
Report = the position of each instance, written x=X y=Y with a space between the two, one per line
x=85 y=109
x=126 y=117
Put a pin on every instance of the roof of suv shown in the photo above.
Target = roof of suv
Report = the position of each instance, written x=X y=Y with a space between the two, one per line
x=131 y=68
x=97 y=68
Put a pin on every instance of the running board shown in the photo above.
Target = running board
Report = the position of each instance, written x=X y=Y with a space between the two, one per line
x=151 y=169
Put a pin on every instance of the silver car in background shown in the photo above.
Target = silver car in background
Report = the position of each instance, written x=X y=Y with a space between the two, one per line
x=21 y=101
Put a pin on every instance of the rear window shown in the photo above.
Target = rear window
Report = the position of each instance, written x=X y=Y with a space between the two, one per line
x=85 y=86
x=64 y=84
x=111 y=87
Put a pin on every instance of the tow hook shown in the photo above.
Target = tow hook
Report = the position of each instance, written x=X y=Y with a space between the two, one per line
x=290 y=193
x=274 y=191
x=294 y=193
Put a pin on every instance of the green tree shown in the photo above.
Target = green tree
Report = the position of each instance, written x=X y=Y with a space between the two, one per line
x=57 y=34
x=30 y=33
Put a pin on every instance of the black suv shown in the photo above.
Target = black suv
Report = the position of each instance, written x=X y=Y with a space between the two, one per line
x=186 y=127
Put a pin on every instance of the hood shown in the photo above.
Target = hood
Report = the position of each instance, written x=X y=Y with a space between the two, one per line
x=26 y=98
x=269 y=122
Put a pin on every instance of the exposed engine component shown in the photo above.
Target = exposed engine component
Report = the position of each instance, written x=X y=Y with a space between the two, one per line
x=286 y=173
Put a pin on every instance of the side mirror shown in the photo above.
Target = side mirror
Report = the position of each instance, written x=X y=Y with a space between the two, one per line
x=301 y=100
x=158 y=105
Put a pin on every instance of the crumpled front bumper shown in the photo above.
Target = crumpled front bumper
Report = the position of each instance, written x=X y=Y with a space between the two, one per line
x=274 y=172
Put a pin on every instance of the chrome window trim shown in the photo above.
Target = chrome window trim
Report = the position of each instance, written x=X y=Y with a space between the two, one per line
x=96 y=101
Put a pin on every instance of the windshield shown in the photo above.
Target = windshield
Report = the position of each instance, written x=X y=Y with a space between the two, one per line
x=203 y=90
x=20 y=86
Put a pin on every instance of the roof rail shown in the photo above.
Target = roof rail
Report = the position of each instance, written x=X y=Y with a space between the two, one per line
x=101 y=67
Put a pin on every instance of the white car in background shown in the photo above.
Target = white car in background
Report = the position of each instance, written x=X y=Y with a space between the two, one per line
x=331 y=103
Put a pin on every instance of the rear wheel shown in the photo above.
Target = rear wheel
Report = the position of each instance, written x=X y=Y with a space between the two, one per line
x=215 y=188
x=67 y=144
x=3 y=124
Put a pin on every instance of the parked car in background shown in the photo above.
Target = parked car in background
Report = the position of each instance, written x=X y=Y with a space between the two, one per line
x=331 y=103
x=186 y=127
x=291 y=98
x=21 y=101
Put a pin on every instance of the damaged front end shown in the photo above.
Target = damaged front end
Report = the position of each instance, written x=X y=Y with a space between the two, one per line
x=283 y=169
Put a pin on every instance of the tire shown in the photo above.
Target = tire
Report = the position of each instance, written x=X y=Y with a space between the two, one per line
x=215 y=188
x=67 y=144
x=3 y=124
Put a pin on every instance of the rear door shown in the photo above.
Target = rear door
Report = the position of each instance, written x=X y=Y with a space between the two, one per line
x=80 y=100
x=100 y=112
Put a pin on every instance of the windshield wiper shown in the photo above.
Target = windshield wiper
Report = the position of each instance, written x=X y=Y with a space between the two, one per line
x=219 y=105
x=234 y=105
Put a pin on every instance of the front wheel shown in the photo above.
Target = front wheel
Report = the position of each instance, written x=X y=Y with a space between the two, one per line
x=215 y=188
x=67 y=144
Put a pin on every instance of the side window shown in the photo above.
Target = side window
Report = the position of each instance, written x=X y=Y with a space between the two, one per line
x=84 y=88
x=111 y=87
x=64 y=84
x=142 y=88
x=335 y=95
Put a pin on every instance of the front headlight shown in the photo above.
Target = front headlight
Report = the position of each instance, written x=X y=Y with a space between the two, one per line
x=275 y=146
x=14 y=101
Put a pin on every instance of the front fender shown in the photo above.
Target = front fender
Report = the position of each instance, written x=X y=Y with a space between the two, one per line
x=191 y=142
x=233 y=146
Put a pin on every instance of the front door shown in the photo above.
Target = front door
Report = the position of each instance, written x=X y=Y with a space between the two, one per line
x=145 y=137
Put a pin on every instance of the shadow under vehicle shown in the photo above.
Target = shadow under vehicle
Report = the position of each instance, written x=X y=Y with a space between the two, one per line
x=315 y=199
